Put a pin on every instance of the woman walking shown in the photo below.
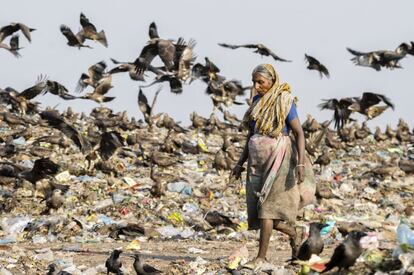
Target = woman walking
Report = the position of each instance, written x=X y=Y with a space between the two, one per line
x=276 y=161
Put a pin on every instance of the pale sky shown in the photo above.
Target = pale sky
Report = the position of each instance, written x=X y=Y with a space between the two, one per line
x=320 y=28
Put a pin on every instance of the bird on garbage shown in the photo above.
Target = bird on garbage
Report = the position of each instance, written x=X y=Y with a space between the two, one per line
x=378 y=135
x=314 y=244
x=346 y=254
x=54 y=201
x=113 y=264
x=142 y=268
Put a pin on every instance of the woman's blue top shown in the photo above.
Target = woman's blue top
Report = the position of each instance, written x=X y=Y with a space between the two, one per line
x=291 y=116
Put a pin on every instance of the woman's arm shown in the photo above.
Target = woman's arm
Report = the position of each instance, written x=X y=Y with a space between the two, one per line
x=238 y=169
x=300 y=144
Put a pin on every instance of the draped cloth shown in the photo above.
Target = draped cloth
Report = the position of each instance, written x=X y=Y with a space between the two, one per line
x=271 y=190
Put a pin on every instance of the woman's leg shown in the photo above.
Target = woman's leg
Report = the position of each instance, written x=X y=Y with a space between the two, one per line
x=266 y=227
x=295 y=238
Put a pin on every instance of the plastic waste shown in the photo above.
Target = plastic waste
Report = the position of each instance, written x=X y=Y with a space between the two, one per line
x=63 y=177
x=237 y=257
x=4 y=271
x=328 y=228
x=327 y=174
x=14 y=226
x=19 y=141
x=44 y=255
x=180 y=187
x=405 y=240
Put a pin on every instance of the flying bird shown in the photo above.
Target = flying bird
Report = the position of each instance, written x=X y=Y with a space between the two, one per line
x=109 y=143
x=129 y=67
x=206 y=72
x=260 y=49
x=55 y=120
x=13 y=48
x=340 y=107
x=98 y=94
x=92 y=77
x=73 y=40
x=156 y=46
x=380 y=58
x=346 y=254
x=367 y=105
x=89 y=31
x=58 y=89
x=314 y=64
x=176 y=86
x=8 y=30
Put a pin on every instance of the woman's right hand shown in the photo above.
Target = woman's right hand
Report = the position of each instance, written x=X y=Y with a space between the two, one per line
x=237 y=170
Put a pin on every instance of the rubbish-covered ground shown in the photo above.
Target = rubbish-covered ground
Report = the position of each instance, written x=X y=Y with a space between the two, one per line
x=75 y=187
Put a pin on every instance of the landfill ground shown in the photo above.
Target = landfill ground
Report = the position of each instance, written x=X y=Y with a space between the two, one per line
x=164 y=193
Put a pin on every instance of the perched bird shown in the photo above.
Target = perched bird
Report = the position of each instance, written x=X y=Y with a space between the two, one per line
x=314 y=244
x=314 y=64
x=113 y=264
x=89 y=31
x=340 y=107
x=14 y=46
x=231 y=118
x=55 y=200
x=324 y=159
x=378 y=135
x=143 y=269
x=95 y=73
x=158 y=189
x=198 y=121
x=260 y=49
x=8 y=30
x=144 y=106
x=215 y=218
x=73 y=40
x=98 y=94
x=346 y=254
x=367 y=105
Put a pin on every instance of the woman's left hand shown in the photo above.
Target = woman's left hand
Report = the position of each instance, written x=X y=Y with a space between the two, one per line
x=301 y=173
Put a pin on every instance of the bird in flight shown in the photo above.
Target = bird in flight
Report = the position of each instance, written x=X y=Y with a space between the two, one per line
x=259 y=48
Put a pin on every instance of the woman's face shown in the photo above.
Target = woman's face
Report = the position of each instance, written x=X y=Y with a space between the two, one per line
x=261 y=83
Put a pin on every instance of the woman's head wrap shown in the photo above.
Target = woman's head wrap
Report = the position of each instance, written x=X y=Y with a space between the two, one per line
x=271 y=110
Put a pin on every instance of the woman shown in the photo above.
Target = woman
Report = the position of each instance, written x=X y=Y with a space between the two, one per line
x=276 y=162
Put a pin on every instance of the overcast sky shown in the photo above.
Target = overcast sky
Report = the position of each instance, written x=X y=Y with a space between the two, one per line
x=320 y=28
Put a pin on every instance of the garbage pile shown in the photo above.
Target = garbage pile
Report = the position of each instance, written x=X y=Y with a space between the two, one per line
x=74 y=179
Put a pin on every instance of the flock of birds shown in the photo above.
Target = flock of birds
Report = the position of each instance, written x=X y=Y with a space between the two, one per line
x=178 y=68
